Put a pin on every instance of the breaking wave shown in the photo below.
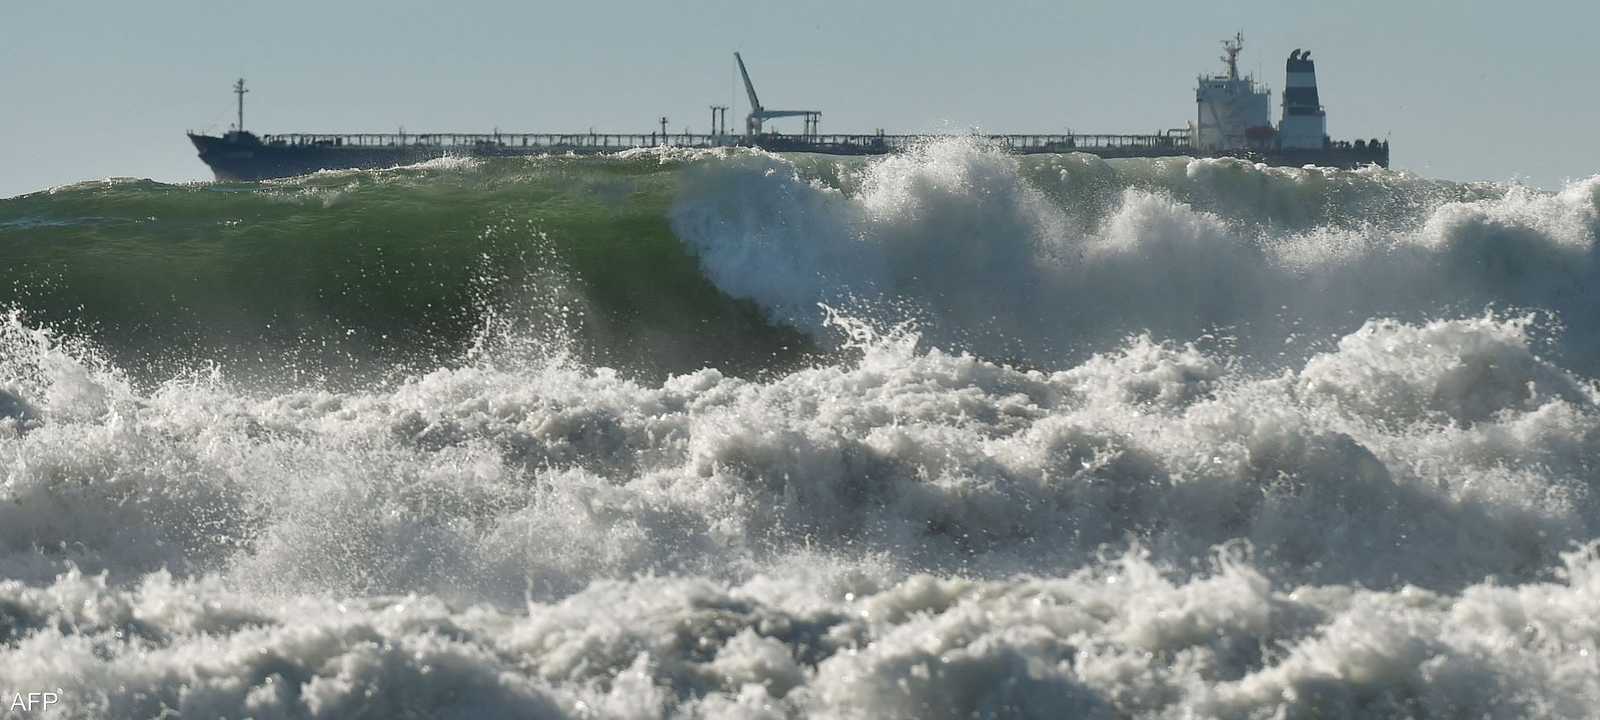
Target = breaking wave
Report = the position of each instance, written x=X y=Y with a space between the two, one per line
x=1038 y=260
x=733 y=435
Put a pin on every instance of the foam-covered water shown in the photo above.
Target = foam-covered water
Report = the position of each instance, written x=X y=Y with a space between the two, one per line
x=728 y=435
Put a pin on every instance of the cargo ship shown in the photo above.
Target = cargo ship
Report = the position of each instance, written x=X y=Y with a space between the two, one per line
x=1233 y=119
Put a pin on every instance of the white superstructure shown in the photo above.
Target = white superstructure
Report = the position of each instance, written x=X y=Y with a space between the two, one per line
x=1234 y=112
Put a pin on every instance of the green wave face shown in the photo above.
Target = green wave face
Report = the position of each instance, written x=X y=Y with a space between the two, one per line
x=665 y=262
x=345 y=274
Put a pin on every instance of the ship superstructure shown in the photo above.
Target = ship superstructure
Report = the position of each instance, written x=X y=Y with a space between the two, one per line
x=1233 y=112
x=1233 y=119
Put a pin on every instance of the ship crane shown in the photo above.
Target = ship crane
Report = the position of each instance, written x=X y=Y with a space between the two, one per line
x=759 y=114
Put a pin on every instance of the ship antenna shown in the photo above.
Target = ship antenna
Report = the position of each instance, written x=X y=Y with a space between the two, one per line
x=238 y=89
x=1230 y=49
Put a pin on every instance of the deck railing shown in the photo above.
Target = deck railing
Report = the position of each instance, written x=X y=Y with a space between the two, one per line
x=620 y=141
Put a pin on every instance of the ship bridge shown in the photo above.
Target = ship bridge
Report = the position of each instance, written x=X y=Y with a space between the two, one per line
x=1233 y=111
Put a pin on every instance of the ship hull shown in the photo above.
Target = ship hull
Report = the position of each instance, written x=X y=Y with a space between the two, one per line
x=232 y=160
x=1336 y=155
x=1347 y=158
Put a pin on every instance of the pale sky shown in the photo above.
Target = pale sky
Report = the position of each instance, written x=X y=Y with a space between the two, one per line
x=1464 y=90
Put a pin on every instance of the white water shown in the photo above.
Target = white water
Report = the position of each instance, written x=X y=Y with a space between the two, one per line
x=1044 y=258
x=1315 y=511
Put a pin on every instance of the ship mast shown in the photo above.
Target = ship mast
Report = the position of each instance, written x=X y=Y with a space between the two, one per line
x=238 y=89
x=1230 y=49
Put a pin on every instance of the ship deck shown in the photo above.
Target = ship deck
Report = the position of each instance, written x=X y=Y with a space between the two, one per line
x=846 y=143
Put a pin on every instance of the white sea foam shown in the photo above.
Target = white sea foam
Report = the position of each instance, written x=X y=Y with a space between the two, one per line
x=258 y=551
x=1044 y=259
x=679 y=153
x=1121 y=639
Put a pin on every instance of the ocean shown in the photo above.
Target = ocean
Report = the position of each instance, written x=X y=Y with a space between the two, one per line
x=728 y=434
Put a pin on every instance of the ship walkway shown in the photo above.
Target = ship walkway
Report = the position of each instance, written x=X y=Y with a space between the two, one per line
x=607 y=142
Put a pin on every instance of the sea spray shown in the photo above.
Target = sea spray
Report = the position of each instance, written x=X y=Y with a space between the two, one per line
x=1013 y=267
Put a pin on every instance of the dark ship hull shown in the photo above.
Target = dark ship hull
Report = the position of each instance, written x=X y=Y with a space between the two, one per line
x=242 y=156
x=1345 y=157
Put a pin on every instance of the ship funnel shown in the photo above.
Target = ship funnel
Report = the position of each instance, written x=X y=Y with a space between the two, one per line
x=1304 y=124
